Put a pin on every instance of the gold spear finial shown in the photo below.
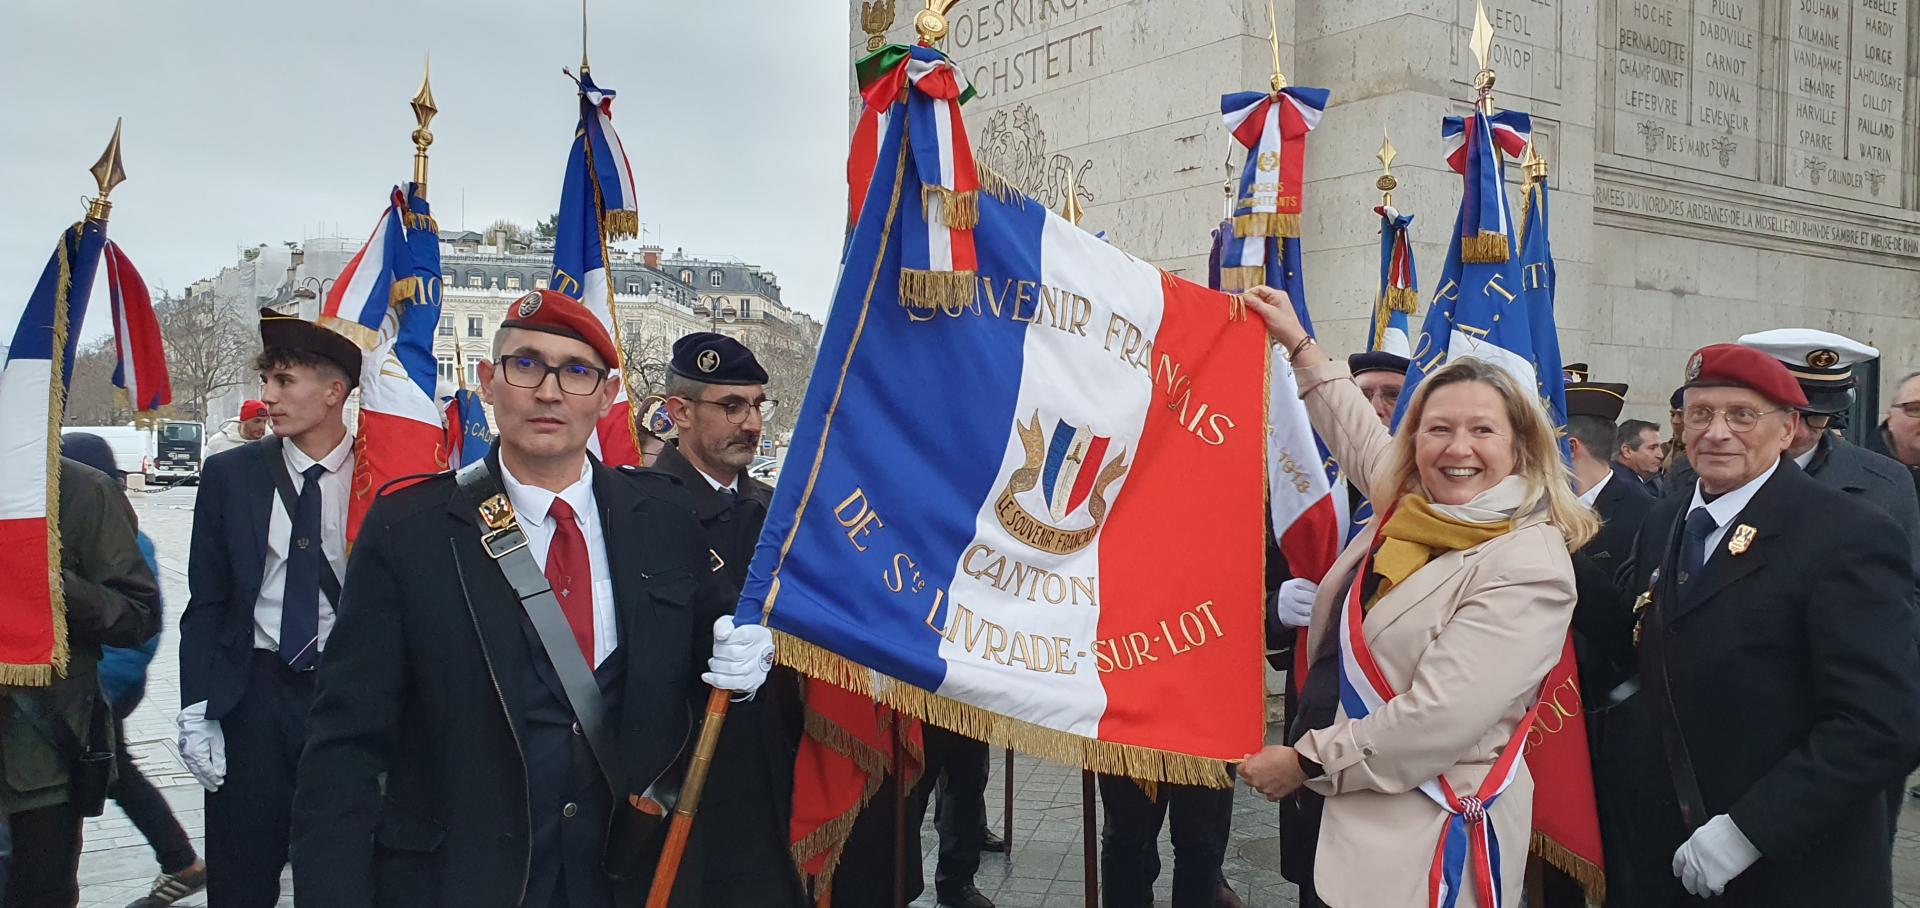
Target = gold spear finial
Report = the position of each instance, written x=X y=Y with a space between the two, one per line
x=423 y=111
x=1535 y=164
x=108 y=172
x=583 y=37
x=931 y=22
x=1482 y=45
x=1072 y=210
x=1386 y=183
x=1273 y=41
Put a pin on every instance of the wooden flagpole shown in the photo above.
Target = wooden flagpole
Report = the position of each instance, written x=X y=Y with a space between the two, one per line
x=1006 y=816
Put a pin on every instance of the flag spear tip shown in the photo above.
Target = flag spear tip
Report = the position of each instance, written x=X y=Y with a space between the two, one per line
x=1535 y=163
x=108 y=172
x=1279 y=81
x=931 y=22
x=423 y=111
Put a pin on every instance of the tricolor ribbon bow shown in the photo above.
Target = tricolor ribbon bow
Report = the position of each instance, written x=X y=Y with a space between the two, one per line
x=1273 y=127
x=1486 y=222
x=949 y=185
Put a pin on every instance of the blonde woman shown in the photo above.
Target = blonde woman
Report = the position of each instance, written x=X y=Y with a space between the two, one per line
x=1444 y=615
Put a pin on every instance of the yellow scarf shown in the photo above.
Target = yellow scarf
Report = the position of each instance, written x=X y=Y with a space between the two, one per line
x=1416 y=532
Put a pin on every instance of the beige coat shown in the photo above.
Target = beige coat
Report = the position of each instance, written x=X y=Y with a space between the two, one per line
x=1466 y=640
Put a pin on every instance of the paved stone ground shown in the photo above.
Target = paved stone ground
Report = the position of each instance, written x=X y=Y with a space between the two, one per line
x=1045 y=868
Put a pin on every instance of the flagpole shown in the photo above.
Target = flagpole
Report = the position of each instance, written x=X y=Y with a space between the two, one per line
x=1089 y=810
x=606 y=261
x=423 y=111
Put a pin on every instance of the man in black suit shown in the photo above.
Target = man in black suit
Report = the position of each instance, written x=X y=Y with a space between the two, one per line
x=268 y=550
x=1638 y=453
x=504 y=701
x=1779 y=689
x=717 y=400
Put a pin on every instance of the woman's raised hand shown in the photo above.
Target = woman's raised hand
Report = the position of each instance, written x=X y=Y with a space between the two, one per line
x=1276 y=309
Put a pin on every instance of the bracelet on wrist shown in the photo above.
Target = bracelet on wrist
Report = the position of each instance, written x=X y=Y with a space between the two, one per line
x=1305 y=342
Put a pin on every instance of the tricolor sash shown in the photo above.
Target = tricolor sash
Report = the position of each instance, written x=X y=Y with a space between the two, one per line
x=940 y=272
x=1469 y=841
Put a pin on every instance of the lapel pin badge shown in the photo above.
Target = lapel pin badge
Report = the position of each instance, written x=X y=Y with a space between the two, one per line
x=1742 y=540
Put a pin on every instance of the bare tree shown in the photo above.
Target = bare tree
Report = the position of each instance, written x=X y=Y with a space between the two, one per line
x=92 y=400
x=645 y=357
x=209 y=349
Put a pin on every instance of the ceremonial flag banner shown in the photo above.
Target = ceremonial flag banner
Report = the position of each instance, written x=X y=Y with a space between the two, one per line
x=37 y=367
x=388 y=301
x=466 y=429
x=597 y=206
x=140 y=363
x=1399 y=285
x=1029 y=511
x=1273 y=128
x=1536 y=282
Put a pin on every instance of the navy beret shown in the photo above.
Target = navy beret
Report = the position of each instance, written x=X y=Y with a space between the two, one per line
x=716 y=359
x=1377 y=361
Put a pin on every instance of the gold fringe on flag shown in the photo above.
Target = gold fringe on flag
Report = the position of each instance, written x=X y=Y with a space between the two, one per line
x=1001 y=731
x=1266 y=223
x=1402 y=299
x=995 y=184
x=364 y=337
x=832 y=835
x=952 y=291
x=1592 y=880
x=1485 y=248
x=1242 y=277
x=417 y=221
x=958 y=210
x=620 y=225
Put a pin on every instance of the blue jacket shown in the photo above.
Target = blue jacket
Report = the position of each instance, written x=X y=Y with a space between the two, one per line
x=123 y=672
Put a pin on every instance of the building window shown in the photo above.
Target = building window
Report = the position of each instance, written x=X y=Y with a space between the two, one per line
x=633 y=286
x=476 y=279
x=686 y=276
x=513 y=280
x=746 y=307
x=714 y=278
x=474 y=327
x=446 y=367
x=473 y=373
x=540 y=282
x=446 y=326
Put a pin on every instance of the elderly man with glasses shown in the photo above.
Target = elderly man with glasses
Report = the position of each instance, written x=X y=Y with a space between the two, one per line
x=1899 y=435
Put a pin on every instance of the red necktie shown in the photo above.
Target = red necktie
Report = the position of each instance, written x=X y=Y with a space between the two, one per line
x=570 y=574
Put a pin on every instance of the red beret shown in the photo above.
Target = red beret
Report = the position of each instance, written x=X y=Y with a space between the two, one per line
x=252 y=409
x=1724 y=365
x=558 y=313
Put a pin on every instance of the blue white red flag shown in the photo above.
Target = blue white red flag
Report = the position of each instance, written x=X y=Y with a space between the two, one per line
x=1273 y=127
x=1399 y=286
x=1537 y=282
x=1474 y=147
x=467 y=436
x=35 y=369
x=915 y=553
x=140 y=361
x=387 y=300
x=597 y=206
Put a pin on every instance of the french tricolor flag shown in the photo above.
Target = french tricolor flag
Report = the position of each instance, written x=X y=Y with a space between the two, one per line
x=141 y=363
x=1035 y=517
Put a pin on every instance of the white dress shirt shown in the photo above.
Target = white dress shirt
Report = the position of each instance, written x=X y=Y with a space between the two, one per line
x=1802 y=460
x=1592 y=495
x=530 y=505
x=733 y=486
x=1725 y=508
x=336 y=485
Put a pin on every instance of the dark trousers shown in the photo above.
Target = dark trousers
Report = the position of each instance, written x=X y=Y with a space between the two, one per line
x=1130 y=842
x=958 y=764
x=46 y=858
x=149 y=811
x=249 y=820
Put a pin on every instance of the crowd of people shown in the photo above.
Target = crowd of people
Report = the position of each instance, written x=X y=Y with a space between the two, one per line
x=488 y=701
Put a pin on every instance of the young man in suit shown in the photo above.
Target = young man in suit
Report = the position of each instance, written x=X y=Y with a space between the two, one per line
x=515 y=673
x=269 y=548
x=1779 y=694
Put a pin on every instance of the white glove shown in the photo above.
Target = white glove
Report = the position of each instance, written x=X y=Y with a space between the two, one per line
x=1293 y=603
x=742 y=656
x=203 y=746
x=1715 y=854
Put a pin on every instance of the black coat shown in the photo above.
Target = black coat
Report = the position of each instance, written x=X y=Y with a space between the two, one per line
x=1796 y=684
x=227 y=561
x=748 y=803
x=412 y=789
x=1604 y=611
x=1877 y=478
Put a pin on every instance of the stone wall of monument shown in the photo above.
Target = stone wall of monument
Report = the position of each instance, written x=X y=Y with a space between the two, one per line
x=1718 y=166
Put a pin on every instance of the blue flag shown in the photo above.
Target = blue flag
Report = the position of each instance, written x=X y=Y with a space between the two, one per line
x=1537 y=283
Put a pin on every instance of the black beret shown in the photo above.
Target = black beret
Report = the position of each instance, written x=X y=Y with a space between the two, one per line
x=1377 y=361
x=288 y=332
x=1596 y=398
x=716 y=359
x=1678 y=399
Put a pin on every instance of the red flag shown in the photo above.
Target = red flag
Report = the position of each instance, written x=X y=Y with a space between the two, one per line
x=1566 y=816
x=845 y=755
x=142 y=363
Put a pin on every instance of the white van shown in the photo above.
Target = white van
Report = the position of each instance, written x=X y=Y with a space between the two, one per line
x=132 y=447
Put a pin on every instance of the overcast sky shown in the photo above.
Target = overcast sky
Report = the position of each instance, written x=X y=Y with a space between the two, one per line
x=252 y=122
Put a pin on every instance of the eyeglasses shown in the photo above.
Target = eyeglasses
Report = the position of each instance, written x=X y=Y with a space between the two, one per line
x=1911 y=408
x=1739 y=419
x=577 y=379
x=1389 y=394
x=736 y=410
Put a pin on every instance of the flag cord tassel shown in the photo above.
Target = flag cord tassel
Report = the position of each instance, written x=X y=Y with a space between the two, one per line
x=1402 y=299
x=1484 y=247
x=1267 y=223
x=1000 y=731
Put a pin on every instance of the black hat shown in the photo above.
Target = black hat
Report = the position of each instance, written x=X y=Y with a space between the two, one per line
x=1596 y=398
x=1678 y=399
x=1377 y=361
x=288 y=332
x=89 y=449
x=715 y=359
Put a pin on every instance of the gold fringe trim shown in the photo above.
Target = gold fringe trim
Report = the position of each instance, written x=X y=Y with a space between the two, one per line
x=1242 y=277
x=948 y=290
x=1150 y=788
x=830 y=838
x=1592 y=880
x=415 y=221
x=366 y=338
x=1402 y=299
x=974 y=722
x=958 y=210
x=1485 y=248
x=994 y=183
x=620 y=225
x=1267 y=223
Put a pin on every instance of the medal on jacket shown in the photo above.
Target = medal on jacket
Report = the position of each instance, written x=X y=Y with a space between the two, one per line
x=1741 y=540
x=1640 y=606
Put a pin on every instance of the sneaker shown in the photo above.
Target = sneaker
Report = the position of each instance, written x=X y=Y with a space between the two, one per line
x=172 y=887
